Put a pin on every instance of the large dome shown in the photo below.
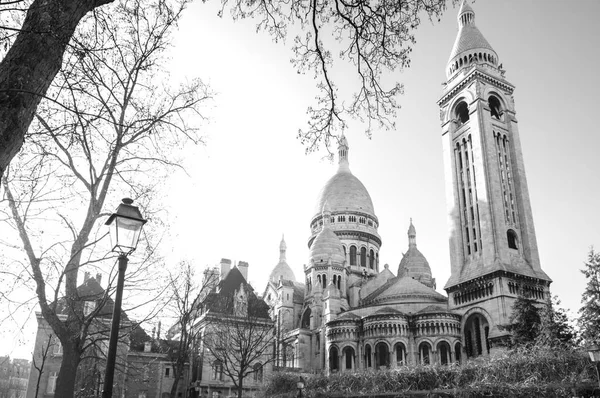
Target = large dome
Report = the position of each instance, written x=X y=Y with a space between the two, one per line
x=344 y=192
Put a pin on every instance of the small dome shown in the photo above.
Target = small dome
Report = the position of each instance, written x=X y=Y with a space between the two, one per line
x=414 y=264
x=282 y=270
x=327 y=246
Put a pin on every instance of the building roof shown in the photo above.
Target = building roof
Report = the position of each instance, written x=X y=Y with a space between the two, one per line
x=469 y=38
x=403 y=289
x=221 y=298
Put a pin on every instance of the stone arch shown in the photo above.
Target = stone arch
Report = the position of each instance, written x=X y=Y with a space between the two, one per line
x=368 y=353
x=476 y=325
x=400 y=353
x=334 y=359
x=382 y=355
x=348 y=355
x=425 y=352
x=305 y=320
x=444 y=352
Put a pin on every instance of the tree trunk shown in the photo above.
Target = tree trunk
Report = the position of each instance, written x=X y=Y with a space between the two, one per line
x=65 y=384
x=177 y=371
x=31 y=64
x=240 y=386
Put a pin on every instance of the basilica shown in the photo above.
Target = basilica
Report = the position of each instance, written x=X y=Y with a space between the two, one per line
x=349 y=312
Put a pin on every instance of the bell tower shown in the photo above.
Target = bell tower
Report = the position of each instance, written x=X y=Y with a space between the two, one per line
x=493 y=250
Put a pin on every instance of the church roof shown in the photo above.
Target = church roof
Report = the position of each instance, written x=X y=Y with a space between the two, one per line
x=387 y=311
x=403 y=288
x=469 y=39
x=433 y=309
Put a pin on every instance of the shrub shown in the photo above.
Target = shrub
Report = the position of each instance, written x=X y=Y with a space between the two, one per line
x=531 y=372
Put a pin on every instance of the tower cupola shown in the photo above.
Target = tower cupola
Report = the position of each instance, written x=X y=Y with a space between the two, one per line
x=470 y=47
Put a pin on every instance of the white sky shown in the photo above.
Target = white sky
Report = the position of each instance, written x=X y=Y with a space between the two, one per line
x=252 y=182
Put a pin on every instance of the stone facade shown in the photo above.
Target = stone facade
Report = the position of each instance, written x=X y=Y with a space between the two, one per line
x=354 y=314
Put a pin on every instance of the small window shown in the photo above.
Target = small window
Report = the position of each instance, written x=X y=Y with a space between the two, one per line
x=217 y=370
x=462 y=113
x=167 y=372
x=513 y=240
x=52 y=383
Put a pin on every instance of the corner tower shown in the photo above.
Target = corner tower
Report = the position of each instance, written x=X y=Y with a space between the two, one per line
x=493 y=250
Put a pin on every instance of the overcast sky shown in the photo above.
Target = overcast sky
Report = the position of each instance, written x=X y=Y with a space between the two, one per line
x=252 y=182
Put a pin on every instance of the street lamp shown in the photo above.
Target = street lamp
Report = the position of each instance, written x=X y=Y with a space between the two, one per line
x=125 y=226
x=594 y=352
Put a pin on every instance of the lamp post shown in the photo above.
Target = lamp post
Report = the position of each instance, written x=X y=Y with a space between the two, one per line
x=125 y=226
x=594 y=352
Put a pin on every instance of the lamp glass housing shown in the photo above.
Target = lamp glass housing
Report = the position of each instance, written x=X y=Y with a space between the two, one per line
x=125 y=226
x=125 y=234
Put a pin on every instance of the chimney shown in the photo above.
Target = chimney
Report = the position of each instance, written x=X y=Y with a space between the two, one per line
x=158 y=331
x=225 y=267
x=99 y=279
x=243 y=267
x=86 y=276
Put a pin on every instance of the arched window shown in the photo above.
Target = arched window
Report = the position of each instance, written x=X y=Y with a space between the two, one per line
x=349 y=356
x=457 y=352
x=475 y=338
x=382 y=355
x=344 y=247
x=462 y=112
x=443 y=349
x=258 y=372
x=363 y=257
x=495 y=108
x=319 y=280
x=424 y=353
x=513 y=240
x=368 y=362
x=305 y=323
x=400 y=350
x=372 y=259
x=324 y=279
x=352 y=255
x=333 y=359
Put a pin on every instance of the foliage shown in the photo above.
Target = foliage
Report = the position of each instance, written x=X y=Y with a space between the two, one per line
x=519 y=373
x=589 y=314
x=524 y=321
x=554 y=328
x=372 y=38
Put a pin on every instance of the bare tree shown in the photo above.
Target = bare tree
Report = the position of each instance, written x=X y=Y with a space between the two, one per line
x=374 y=38
x=32 y=62
x=40 y=366
x=110 y=122
x=186 y=296
x=238 y=333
